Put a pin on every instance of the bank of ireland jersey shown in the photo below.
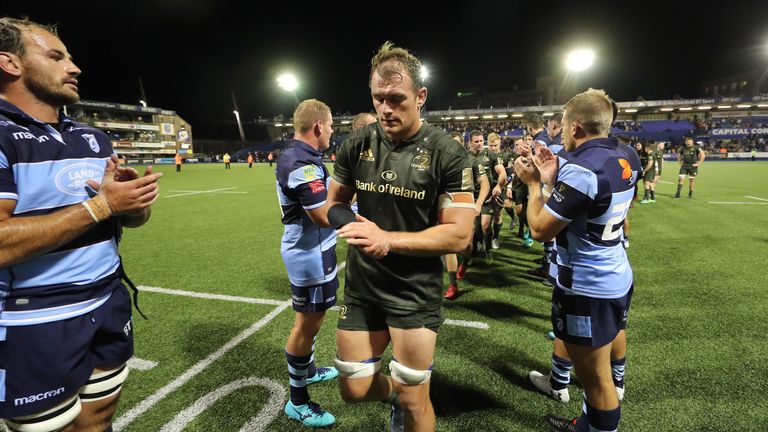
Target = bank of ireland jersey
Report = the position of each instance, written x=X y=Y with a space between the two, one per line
x=478 y=170
x=308 y=251
x=397 y=188
x=592 y=193
x=43 y=169
x=689 y=155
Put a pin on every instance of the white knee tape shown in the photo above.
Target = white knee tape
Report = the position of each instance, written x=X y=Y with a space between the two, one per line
x=408 y=376
x=55 y=418
x=354 y=370
x=104 y=384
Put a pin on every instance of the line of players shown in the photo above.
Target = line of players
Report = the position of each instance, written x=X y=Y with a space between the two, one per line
x=494 y=166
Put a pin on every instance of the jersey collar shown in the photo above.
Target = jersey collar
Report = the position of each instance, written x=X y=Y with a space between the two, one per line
x=12 y=110
x=305 y=146
x=597 y=142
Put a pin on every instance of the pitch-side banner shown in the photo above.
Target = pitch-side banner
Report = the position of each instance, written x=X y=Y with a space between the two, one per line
x=739 y=132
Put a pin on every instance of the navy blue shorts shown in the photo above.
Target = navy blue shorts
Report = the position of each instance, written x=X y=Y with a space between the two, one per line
x=316 y=298
x=43 y=365
x=588 y=321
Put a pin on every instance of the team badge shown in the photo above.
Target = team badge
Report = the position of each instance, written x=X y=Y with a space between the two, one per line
x=343 y=312
x=420 y=162
x=91 y=139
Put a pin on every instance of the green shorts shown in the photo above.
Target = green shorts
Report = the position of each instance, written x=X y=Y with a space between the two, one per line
x=361 y=315
x=491 y=207
x=689 y=170
x=649 y=175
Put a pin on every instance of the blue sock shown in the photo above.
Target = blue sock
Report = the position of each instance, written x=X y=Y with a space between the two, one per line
x=297 y=372
x=595 y=420
x=618 y=367
x=560 y=374
x=311 y=369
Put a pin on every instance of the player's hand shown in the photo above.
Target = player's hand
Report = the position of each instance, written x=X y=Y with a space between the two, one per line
x=478 y=209
x=695 y=165
x=523 y=149
x=496 y=191
x=527 y=171
x=546 y=162
x=367 y=236
x=127 y=197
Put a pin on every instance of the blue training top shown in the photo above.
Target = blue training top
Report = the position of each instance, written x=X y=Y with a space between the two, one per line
x=44 y=168
x=593 y=191
x=302 y=184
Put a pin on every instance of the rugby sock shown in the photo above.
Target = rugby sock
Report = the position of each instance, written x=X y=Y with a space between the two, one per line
x=679 y=188
x=311 y=369
x=488 y=238
x=297 y=372
x=653 y=194
x=690 y=193
x=523 y=223
x=645 y=195
x=452 y=277
x=560 y=374
x=617 y=367
x=496 y=230
x=596 y=420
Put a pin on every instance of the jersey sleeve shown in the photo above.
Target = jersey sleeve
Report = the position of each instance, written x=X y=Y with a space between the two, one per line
x=7 y=181
x=342 y=168
x=574 y=191
x=308 y=183
x=456 y=173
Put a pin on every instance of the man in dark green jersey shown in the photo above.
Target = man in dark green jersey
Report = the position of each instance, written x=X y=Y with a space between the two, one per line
x=690 y=158
x=414 y=191
x=497 y=176
x=481 y=190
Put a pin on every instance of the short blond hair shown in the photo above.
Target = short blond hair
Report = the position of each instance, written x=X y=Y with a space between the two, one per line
x=391 y=60
x=493 y=136
x=593 y=110
x=308 y=113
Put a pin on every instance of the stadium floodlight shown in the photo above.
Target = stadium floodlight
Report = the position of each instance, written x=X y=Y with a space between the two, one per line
x=704 y=107
x=743 y=106
x=424 y=73
x=143 y=103
x=723 y=106
x=473 y=117
x=487 y=116
x=288 y=82
x=686 y=109
x=459 y=118
x=517 y=115
x=630 y=110
x=580 y=60
x=667 y=109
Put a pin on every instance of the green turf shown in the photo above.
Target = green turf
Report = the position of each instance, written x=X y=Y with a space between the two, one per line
x=696 y=335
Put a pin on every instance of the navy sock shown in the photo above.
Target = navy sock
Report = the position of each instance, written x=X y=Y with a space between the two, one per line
x=496 y=230
x=595 y=420
x=560 y=374
x=297 y=371
x=617 y=367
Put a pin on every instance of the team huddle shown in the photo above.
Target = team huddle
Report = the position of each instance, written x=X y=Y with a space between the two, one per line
x=402 y=194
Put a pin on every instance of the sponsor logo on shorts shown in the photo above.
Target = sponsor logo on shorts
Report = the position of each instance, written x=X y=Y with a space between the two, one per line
x=330 y=299
x=299 y=300
x=560 y=324
x=38 y=397
x=127 y=328
x=343 y=312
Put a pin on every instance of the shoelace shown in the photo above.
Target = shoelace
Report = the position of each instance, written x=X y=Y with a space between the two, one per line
x=315 y=408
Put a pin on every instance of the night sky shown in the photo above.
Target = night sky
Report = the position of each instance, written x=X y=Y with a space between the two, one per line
x=191 y=54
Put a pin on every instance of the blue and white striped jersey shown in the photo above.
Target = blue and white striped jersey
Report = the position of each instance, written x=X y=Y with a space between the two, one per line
x=308 y=250
x=44 y=168
x=594 y=188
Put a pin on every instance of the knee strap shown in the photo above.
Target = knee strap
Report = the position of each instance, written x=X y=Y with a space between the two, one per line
x=361 y=369
x=104 y=384
x=408 y=376
x=48 y=421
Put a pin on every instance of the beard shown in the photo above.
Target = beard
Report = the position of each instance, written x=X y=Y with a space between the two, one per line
x=49 y=91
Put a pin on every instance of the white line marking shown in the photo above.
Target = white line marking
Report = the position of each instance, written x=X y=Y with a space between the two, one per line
x=211 y=296
x=662 y=181
x=141 y=364
x=199 y=192
x=149 y=402
x=759 y=199
x=256 y=424
x=729 y=202
x=471 y=324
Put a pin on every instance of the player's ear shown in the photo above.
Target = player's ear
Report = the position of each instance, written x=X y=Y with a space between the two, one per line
x=10 y=64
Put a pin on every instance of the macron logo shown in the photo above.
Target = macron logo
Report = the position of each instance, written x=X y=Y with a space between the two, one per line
x=38 y=397
x=27 y=135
